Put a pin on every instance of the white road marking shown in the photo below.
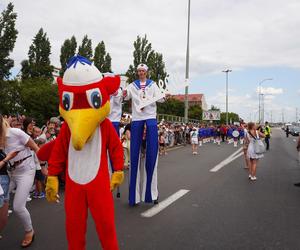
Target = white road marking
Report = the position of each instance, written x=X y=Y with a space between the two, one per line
x=235 y=153
x=229 y=159
x=237 y=156
x=165 y=203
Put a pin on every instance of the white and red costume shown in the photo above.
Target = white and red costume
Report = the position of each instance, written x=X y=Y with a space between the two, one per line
x=84 y=99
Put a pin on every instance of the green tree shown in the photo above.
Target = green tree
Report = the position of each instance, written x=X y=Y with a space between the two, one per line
x=8 y=36
x=214 y=108
x=38 y=64
x=171 y=107
x=232 y=117
x=39 y=99
x=102 y=60
x=85 y=49
x=142 y=53
x=68 y=49
x=195 y=112
x=10 y=97
x=34 y=97
x=107 y=63
x=157 y=67
x=175 y=107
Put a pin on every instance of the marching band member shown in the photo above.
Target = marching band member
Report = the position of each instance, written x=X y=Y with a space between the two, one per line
x=242 y=134
x=213 y=133
x=235 y=134
x=205 y=134
x=218 y=135
x=229 y=135
x=200 y=135
x=136 y=91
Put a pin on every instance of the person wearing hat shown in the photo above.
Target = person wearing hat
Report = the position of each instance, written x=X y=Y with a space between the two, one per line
x=137 y=91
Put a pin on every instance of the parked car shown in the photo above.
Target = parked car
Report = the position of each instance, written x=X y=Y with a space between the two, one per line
x=295 y=131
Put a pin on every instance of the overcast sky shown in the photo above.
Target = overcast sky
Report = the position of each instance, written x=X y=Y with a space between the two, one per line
x=256 y=39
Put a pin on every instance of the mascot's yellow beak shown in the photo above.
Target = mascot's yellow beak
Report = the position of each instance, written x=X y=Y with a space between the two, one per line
x=83 y=122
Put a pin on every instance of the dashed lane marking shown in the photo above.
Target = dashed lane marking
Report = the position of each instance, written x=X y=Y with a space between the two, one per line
x=165 y=203
x=229 y=159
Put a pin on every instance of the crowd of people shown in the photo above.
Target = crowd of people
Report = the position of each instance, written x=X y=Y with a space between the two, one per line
x=142 y=138
x=30 y=181
x=175 y=134
x=20 y=170
x=249 y=135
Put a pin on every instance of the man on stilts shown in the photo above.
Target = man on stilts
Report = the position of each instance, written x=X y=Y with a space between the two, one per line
x=143 y=178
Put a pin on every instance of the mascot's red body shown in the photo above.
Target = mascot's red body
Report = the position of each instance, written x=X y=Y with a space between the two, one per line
x=81 y=151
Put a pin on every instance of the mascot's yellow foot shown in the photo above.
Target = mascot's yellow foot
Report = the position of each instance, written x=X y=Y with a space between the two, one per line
x=116 y=179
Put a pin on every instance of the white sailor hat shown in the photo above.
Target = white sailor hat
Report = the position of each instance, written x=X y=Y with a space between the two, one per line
x=142 y=66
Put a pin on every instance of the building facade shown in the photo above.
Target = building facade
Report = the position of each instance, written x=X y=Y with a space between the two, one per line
x=193 y=99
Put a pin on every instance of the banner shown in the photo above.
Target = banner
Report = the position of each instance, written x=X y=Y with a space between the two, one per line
x=212 y=115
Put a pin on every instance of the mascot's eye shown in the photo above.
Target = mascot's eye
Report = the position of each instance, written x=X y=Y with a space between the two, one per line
x=94 y=98
x=67 y=100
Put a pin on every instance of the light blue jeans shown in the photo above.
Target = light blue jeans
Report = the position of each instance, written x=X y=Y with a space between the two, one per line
x=4 y=182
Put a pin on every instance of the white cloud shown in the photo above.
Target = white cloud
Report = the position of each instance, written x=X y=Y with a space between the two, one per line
x=224 y=34
x=246 y=105
x=270 y=90
x=235 y=102
x=231 y=33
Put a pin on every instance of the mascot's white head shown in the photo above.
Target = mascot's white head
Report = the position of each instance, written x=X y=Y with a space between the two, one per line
x=84 y=98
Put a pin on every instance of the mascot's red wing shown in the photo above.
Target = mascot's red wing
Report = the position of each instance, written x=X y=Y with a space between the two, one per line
x=45 y=151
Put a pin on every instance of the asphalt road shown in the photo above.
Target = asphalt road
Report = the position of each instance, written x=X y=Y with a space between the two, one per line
x=222 y=210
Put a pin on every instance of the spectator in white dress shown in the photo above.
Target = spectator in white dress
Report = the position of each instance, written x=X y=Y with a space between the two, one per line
x=252 y=135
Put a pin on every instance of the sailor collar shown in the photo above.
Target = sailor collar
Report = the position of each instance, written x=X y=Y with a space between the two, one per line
x=137 y=83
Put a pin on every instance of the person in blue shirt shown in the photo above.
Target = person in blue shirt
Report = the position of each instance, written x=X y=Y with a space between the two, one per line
x=242 y=135
x=235 y=138
x=206 y=134
x=229 y=134
x=201 y=135
x=211 y=133
x=218 y=135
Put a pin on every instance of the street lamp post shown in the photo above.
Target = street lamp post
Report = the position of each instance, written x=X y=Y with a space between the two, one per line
x=227 y=71
x=263 y=108
x=260 y=116
x=187 y=63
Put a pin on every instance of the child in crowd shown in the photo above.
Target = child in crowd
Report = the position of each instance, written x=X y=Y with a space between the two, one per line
x=162 y=144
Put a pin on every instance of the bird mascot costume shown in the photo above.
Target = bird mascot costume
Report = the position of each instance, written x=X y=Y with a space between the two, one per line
x=80 y=151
